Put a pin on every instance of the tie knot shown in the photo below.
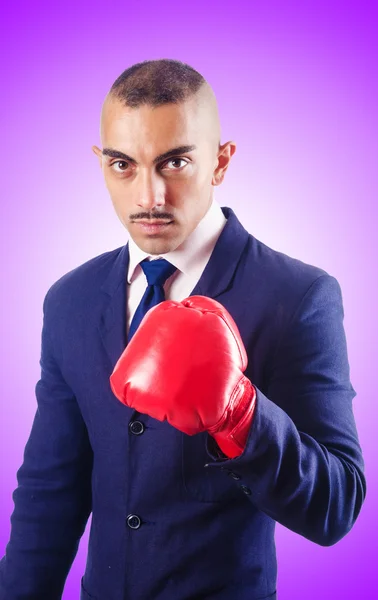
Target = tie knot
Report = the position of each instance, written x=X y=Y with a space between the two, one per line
x=157 y=271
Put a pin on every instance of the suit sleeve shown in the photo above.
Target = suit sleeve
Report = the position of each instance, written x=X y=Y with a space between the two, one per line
x=302 y=464
x=52 y=501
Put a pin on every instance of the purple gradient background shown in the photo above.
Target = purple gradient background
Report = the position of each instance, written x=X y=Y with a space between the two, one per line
x=297 y=89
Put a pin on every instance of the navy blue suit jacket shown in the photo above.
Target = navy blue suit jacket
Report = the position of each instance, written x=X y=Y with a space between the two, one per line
x=171 y=518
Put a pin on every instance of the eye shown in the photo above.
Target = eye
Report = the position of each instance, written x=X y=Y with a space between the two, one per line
x=176 y=160
x=119 y=162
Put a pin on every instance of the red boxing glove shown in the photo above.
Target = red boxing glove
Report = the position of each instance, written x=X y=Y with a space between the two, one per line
x=185 y=365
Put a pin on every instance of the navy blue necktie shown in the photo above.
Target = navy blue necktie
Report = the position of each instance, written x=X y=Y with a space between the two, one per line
x=157 y=272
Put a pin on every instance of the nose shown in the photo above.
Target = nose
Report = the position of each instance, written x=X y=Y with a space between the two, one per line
x=150 y=190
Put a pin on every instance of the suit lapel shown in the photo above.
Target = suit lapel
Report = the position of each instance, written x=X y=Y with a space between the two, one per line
x=220 y=269
x=112 y=325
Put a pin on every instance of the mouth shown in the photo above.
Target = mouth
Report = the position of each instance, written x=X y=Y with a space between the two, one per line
x=152 y=226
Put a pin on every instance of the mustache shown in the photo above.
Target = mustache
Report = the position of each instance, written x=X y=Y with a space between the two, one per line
x=145 y=215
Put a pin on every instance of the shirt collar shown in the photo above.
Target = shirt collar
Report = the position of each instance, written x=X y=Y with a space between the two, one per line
x=193 y=254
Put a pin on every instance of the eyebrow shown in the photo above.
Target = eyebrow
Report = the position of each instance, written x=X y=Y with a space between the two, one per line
x=179 y=150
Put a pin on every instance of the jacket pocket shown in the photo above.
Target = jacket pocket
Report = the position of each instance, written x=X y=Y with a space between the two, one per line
x=206 y=484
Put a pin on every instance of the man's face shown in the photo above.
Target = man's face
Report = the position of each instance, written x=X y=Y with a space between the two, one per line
x=161 y=198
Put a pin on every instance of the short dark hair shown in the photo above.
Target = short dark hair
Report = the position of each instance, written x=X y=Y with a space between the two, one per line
x=156 y=82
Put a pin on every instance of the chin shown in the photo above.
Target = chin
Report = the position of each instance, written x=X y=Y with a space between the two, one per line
x=156 y=246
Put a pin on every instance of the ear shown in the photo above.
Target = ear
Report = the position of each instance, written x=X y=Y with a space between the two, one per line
x=225 y=153
x=98 y=153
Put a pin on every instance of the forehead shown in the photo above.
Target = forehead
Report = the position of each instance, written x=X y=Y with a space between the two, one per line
x=168 y=118
x=168 y=124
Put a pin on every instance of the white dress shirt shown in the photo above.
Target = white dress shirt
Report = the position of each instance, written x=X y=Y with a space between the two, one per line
x=190 y=259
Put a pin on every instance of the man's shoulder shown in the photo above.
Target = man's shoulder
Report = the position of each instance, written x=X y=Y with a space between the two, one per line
x=279 y=270
x=86 y=277
x=266 y=265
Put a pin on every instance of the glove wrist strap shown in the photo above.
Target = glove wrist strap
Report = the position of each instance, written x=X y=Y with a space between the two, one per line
x=232 y=436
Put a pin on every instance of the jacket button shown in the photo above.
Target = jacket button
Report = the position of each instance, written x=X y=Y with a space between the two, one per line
x=246 y=489
x=234 y=475
x=133 y=521
x=136 y=427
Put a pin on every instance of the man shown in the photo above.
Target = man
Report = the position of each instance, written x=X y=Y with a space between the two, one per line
x=130 y=341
